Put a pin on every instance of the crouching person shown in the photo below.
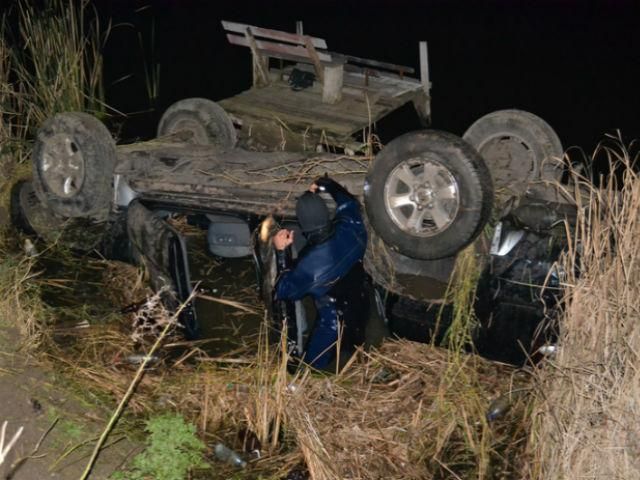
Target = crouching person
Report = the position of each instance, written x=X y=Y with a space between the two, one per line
x=329 y=269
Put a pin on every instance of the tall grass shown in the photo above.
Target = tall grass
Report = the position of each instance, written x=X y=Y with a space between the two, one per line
x=5 y=87
x=50 y=62
x=57 y=62
x=587 y=420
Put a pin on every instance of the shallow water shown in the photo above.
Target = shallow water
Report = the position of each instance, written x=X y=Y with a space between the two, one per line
x=70 y=284
x=234 y=279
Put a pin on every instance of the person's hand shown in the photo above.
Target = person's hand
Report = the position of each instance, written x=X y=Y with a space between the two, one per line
x=321 y=183
x=283 y=239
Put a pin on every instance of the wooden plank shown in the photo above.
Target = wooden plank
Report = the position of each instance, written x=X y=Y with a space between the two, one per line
x=333 y=81
x=260 y=63
x=383 y=87
x=274 y=49
x=375 y=63
x=294 y=119
x=314 y=55
x=424 y=68
x=302 y=108
x=308 y=105
x=423 y=103
x=352 y=106
x=379 y=82
x=273 y=34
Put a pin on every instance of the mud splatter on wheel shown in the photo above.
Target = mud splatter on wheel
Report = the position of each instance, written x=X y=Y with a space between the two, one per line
x=519 y=149
x=73 y=161
x=32 y=217
x=207 y=122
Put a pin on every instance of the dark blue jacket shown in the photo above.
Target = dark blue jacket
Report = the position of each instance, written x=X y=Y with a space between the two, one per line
x=318 y=270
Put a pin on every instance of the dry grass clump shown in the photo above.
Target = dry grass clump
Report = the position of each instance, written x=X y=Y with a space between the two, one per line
x=588 y=412
x=407 y=412
x=127 y=283
x=20 y=303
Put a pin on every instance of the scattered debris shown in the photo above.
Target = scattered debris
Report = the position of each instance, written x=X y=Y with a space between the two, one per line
x=29 y=248
x=548 y=350
x=5 y=450
x=138 y=358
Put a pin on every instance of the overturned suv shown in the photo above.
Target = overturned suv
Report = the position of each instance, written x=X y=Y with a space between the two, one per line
x=427 y=195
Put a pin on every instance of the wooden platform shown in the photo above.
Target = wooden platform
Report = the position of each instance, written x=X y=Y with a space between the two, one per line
x=365 y=100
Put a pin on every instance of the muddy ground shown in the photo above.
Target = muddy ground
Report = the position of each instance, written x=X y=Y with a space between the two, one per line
x=60 y=427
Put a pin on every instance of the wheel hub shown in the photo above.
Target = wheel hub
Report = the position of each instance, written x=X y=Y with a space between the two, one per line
x=197 y=130
x=513 y=166
x=424 y=196
x=421 y=197
x=62 y=167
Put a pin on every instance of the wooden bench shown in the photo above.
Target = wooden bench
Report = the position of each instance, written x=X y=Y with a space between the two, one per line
x=266 y=43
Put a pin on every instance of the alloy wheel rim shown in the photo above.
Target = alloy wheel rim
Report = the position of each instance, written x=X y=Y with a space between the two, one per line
x=421 y=197
x=63 y=165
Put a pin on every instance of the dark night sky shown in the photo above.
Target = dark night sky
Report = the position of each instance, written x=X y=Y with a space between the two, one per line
x=574 y=63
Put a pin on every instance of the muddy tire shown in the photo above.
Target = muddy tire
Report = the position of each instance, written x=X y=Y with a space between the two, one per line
x=518 y=147
x=32 y=217
x=428 y=194
x=205 y=120
x=73 y=161
x=23 y=199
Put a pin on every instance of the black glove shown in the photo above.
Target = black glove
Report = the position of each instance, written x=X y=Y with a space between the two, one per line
x=333 y=188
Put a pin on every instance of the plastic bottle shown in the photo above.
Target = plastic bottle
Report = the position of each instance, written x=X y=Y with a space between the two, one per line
x=501 y=405
x=225 y=454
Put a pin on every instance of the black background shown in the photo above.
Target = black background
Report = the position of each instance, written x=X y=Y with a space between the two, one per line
x=573 y=63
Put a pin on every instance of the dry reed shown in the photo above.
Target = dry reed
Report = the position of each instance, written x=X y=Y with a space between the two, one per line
x=20 y=302
x=59 y=66
x=587 y=411
x=406 y=411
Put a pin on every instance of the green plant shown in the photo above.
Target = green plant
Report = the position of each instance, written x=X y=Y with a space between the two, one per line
x=172 y=451
x=463 y=295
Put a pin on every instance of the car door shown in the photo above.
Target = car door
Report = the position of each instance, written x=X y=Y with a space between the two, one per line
x=162 y=250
